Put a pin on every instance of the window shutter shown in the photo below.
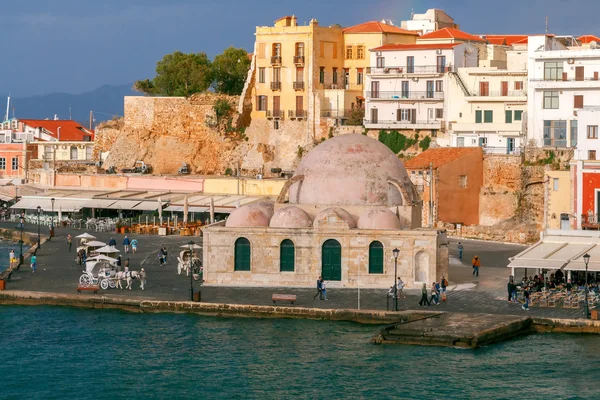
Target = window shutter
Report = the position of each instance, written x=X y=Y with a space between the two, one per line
x=478 y=119
x=257 y=103
x=508 y=118
x=413 y=116
x=398 y=114
x=578 y=101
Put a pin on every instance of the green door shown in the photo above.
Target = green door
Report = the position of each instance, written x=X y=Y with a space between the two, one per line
x=242 y=255
x=376 y=258
x=332 y=260
x=286 y=256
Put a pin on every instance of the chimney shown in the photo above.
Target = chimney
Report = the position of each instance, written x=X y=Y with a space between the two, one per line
x=58 y=133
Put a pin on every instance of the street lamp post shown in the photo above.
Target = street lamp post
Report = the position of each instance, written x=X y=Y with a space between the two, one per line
x=22 y=219
x=39 y=211
x=396 y=253
x=191 y=244
x=52 y=222
x=586 y=260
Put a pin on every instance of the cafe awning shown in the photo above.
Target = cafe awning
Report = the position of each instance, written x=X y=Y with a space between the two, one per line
x=66 y=205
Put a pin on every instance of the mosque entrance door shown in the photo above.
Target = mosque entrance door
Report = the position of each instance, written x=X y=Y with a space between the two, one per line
x=332 y=260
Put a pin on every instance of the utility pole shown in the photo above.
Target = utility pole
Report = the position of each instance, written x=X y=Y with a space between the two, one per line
x=91 y=118
x=546 y=24
x=430 y=194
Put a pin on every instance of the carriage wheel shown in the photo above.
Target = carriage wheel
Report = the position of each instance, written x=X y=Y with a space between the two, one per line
x=84 y=279
x=112 y=284
x=104 y=284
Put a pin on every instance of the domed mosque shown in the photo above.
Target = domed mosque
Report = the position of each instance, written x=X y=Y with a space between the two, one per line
x=349 y=204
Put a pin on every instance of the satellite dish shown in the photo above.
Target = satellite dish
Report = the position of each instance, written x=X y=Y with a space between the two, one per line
x=469 y=50
x=593 y=44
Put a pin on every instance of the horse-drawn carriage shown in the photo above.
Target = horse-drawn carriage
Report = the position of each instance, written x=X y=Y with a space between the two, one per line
x=100 y=270
x=189 y=263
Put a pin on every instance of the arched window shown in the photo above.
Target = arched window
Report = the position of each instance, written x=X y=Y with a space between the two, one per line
x=286 y=256
x=242 y=254
x=376 y=258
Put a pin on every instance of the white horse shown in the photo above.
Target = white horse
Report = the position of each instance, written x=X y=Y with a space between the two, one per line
x=128 y=277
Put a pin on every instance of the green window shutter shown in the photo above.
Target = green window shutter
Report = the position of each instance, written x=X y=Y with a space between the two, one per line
x=518 y=115
x=286 y=256
x=488 y=116
x=242 y=255
x=508 y=114
x=478 y=116
x=376 y=258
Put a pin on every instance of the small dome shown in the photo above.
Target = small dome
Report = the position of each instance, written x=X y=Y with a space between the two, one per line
x=253 y=215
x=291 y=217
x=378 y=218
x=323 y=217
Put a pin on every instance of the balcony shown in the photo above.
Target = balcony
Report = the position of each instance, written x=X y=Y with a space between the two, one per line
x=296 y=114
x=276 y=60
x=392 y=124
x=299 y=85
x=299 y=60
x=428 y=95
x=275 y=85
x=565 y=83
x=342 y=86
x=515 y=95
x=550 y=142
x=411 y=70
x=275 y=114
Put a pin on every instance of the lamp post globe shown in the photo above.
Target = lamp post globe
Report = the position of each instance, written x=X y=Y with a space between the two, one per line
x=586 y=260
x=396 y=253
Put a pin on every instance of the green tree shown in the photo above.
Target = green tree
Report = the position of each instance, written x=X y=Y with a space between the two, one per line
x=178 y=74
x=230 y=70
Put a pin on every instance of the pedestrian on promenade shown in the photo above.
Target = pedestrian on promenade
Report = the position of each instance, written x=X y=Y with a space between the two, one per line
x=112 y=242
x=400 y=286
x=165 y=253
x=119 y=261
x=424 y=300
x=126 y=243
x=126 y=263
x=476 y=264
x=162 y=257
x=514 y=293
x=69 y=241
x=444 y=285
x=460 y=250
x=13 y=260
x=509 y=287
x=319 y=293
x=134 y=244
x=324 y=289
x=434 y=294
x=33 y=263
x=526 y=305
x=51 y=233
x=569 y=285
x=143 y=277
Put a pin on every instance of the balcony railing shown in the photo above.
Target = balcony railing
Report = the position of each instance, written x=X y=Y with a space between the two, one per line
x=405 y=95
x=343 y=86
x=296 y=114
x=555 y=142
x=336 y=113
x=502 y=150
x=277 y=114
x=429 y=124
x=514 y=93
x=299 y=85
x=411 y=69
x=276 y=60
x=590 y=221
x=565 y=79
x=299 y=60
x=275 y=85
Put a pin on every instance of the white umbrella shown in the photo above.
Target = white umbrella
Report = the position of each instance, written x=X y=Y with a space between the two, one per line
x=102 y=258
x=107 y=250
x=85 y=236
x=160 y=211
x=95 y=243
x=185 y=210
x=194 y=246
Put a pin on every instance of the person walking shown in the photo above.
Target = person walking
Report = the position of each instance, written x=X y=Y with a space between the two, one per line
x=143 y=277
x=509 y=287
x=112 y=242
x=13 y=260
x=324 y=289
x=126 y=243
x=319 y=293
x=476 y=264
x=400 y=287
x=162 y=257
x=526 y=305
x=424 y=300
x=134 y=244
x=444 y=285
x=434 y=294
x=460 y=250
x=69 y=241
x=33 y=263
x=51 y=233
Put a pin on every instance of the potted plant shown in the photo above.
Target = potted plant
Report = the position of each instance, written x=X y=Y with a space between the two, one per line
x=119 y=226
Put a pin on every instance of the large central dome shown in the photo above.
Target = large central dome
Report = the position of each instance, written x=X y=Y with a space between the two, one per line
x=349 y=170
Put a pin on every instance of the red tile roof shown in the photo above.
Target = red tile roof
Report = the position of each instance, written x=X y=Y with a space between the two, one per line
x=377 y=27
x=440 y=156
x=421 y=46
x=69 y=130
x=510 y=39
x=588 y=39
x=500 y=41
x=452 y=33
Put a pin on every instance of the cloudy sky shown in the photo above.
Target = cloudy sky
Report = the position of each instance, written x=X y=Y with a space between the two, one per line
x=75 y=46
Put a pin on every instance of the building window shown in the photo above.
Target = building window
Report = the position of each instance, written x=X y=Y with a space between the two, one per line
x=89 y=151
x=592 y=132
x=299 y=49
x=376 y=258
x=360 y=52
x=276 y=75
x=359 y=76
x=488 y=116
x=574 y=126
x=261 y=75
x=321 y=75
x=441 y=64
x=430 y=88
x=286 y=256
x=261 y=103
x=410 y=64
x=555 y=133
x=555 y=184
x=439 y=86
x=462 y=181
x=553 y=71
x=74 y=153
x=380 y=62
x=335 y=76
x=242 y=255
x=405 y=85
x=578 y=101
x=591 y=154
x=518 y=115
x=348 y=52
x=2 y=163
x=484 y=88
x=478 y=116
x=276 y=49
x=439 y=113
x=508 y=116
x=15 y=163
x=551 y=99
x=519 y=85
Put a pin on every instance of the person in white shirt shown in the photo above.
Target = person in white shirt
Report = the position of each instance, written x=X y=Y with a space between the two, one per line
x=400 y=286
x=324 y=289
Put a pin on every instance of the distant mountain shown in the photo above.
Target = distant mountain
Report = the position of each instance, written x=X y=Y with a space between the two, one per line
x=105 y=102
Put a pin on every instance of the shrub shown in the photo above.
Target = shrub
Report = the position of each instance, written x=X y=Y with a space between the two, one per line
x=424 y=144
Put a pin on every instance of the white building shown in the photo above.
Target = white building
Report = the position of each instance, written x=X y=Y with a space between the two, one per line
x=564 y=95
x=433 y=20
x=406 y=84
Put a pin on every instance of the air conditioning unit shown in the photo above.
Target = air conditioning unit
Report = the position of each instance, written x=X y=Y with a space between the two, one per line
x=571 y=61
x=378 y=53
x=438 y=51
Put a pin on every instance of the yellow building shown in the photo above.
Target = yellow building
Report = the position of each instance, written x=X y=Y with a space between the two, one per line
x=305 y=73
x=558 y=200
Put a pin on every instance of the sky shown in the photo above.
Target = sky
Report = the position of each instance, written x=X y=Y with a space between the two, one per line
x=75 y=46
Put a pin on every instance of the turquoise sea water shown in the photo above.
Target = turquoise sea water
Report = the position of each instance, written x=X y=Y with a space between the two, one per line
x=65 y=353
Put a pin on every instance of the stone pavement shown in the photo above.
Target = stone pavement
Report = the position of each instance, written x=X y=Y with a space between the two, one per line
x=58 y=272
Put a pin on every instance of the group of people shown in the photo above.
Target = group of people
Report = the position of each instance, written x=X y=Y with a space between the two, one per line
x=128 y=244
x=321 y=289
x=438 y=293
